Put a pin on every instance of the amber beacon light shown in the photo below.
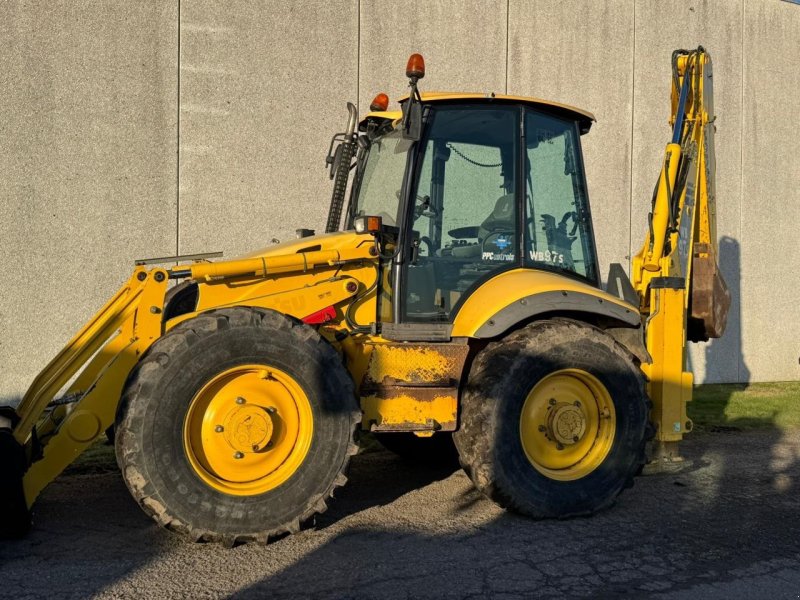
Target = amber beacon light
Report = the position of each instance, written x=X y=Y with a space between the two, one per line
x=415 y=69
x=379 y=103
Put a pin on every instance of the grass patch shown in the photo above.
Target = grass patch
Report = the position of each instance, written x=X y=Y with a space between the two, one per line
x=746 y=406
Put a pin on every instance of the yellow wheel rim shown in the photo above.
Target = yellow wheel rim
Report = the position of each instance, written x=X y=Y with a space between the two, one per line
x=567 y=424
x=248 y=430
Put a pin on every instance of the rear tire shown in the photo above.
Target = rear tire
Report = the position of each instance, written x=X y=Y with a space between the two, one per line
x=212 y=468
x=554 y=420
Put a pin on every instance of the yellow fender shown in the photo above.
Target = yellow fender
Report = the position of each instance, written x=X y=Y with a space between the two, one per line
x=528 y=293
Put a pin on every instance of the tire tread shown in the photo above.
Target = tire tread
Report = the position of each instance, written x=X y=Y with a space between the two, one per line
x=144 y=376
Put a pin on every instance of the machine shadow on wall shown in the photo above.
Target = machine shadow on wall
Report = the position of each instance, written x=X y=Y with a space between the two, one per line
x=724 y=357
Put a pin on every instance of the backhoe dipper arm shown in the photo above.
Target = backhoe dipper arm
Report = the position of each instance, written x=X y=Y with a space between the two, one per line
x=681 y=291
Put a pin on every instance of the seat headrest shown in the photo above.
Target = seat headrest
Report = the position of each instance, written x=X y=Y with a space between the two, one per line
x=502 y=216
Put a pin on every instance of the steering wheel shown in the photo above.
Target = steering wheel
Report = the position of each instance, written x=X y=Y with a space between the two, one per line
x=492 y=237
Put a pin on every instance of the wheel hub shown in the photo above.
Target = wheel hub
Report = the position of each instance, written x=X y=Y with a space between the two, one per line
x=248 y=428
x=566 y=424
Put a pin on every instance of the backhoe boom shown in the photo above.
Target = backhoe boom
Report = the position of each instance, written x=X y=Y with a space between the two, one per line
x=682 y=294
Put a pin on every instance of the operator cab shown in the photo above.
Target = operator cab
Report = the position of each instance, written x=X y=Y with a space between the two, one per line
x=493 y=183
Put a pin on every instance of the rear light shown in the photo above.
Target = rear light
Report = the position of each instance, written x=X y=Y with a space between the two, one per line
x=321 y=316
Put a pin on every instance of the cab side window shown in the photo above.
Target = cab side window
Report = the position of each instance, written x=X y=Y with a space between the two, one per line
x=559 y=235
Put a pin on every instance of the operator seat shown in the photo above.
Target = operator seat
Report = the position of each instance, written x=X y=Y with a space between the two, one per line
x=500 y=220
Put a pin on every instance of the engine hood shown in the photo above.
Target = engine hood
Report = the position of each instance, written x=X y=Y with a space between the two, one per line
x=322 y=241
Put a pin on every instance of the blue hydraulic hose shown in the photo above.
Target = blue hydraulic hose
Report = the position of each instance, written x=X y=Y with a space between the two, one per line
x=681 y=115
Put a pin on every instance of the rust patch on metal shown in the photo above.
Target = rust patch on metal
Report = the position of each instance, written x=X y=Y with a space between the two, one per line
x=415 y=364
x=412 y=386
x=710 y=298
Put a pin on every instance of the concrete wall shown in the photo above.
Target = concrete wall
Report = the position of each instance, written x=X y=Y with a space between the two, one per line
x=88 y=180
x=149 y=127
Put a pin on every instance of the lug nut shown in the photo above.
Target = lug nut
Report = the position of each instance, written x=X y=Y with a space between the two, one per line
x=219 y=429
x=552 y=401
x=238 y=455
x=542 y=428
x=577 y=403
x=268 y=444
x=575 y=439
x=272 y=410
x=560 y=446
x=240 y=400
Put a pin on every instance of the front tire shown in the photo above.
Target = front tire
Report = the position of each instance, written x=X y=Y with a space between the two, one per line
x=554 y=420
x=236 y=426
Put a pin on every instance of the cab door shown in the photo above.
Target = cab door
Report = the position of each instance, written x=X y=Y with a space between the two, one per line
x=463 y=219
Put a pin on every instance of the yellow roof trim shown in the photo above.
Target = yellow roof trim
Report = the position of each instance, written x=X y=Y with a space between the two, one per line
x=392 y=115
x=439 y=96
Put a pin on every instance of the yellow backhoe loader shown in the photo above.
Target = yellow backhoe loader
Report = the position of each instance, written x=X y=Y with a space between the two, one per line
x=454 y=297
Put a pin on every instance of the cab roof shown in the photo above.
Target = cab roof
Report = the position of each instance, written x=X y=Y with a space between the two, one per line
x=584 y=118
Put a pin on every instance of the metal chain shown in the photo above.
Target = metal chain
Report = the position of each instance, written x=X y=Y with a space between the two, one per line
x=469 y=160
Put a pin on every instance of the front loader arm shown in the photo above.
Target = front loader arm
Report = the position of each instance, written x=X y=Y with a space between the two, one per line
x=49 y=433
x=682 y=294
x=54 y=441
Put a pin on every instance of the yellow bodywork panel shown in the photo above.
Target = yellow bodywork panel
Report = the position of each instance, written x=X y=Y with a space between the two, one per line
x=412 y=386
x=522 y=284
x=444 y=96
x=411 y=363
x=319 y=278
x=410 y=412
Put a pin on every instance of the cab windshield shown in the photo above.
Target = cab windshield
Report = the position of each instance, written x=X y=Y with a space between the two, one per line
x=382 y=174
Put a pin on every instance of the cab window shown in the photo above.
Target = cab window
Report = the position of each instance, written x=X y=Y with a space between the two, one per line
x=464 y=219
x=382 y=178
x=558 y=223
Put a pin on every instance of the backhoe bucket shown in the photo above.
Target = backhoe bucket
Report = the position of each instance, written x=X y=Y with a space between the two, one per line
x=710 y=300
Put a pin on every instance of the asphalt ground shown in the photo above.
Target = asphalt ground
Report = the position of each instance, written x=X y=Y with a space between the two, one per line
x=726 y=526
